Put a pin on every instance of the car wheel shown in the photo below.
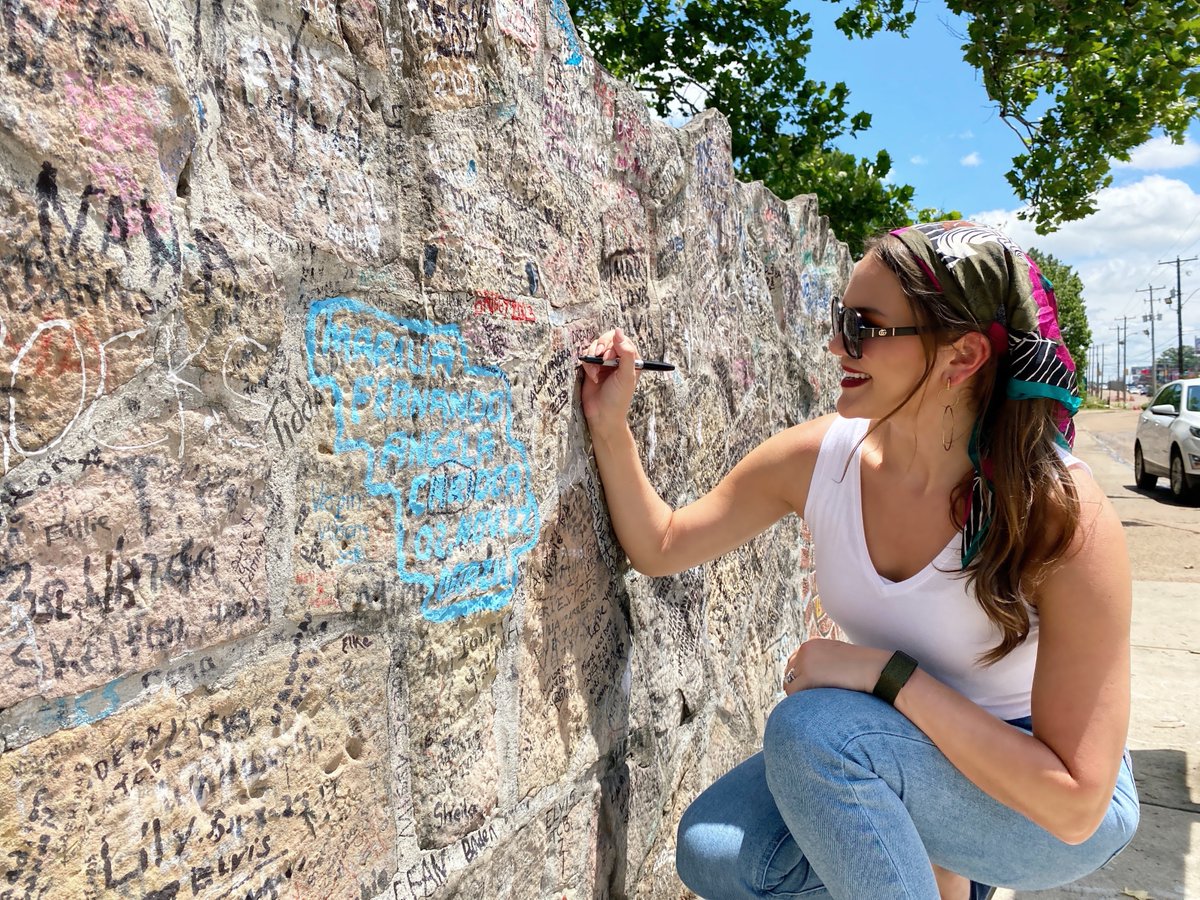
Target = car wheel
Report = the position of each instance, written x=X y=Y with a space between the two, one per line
x=1144 y=479
x=1181 y=489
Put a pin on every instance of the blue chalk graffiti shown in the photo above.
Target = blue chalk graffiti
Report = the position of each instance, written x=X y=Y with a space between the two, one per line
x=82 y=710
x=460 y=482
x=563 y=17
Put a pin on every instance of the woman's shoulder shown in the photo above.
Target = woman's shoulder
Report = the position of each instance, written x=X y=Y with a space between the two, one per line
x=1093 y=571
x=1091 y=520
x=1091 y=498
x=813 y=431
x=788 y=458
x=1094 y=504
x=805 y=439
x=791 y=455
x=1070 y=460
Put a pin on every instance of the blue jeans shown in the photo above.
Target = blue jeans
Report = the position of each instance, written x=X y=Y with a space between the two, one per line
x=850 y=800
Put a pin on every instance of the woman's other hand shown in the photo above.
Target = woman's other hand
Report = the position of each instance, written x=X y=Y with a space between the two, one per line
x=607 y=392
x=823 y=662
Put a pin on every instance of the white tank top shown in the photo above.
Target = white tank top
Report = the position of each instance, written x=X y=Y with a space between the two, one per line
x=931 y=616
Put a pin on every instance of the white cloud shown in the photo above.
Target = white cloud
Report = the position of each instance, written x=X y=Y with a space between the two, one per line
x=1160 y=153
x=680 y=113
x=1116 y=252
x=691 y=97
x=971 y=159
x=918 y=160
x=965 y=135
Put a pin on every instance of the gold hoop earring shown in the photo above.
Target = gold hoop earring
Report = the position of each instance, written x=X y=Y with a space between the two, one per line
x=948 y=421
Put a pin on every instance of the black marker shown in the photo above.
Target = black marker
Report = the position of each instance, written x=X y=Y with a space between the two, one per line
x=650 y=365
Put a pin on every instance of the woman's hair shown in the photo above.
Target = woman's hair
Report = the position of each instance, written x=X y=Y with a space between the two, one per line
x=1035 y=508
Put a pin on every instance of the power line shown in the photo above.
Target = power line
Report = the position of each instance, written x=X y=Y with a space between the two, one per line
x=1179 y=300
x=1183 y=234
x=1153 y=352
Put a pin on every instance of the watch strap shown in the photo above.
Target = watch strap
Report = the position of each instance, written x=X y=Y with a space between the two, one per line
x=894 y=676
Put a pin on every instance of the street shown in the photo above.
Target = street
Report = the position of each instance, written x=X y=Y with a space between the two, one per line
x=1163 y=862
x=1164 y=537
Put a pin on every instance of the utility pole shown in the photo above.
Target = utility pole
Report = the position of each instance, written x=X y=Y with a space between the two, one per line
x=1153 y=351
x=1122 y=330
x=1179 y=300
x=1103 y=372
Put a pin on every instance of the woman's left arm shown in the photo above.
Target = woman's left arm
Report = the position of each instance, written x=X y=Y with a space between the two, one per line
x=1061 y=777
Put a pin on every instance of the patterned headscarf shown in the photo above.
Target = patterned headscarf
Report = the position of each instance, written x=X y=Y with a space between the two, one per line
x=988 y=277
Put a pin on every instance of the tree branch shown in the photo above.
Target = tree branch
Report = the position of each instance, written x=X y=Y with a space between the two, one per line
x=1007 y=117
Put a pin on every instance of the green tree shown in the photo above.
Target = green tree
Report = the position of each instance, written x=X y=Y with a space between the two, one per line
x=1168 y=362
x=746 y=58
x=1081 y=82
x=1072 y=312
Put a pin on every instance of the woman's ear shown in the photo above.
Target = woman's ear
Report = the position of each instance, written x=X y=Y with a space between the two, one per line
x=968 y=355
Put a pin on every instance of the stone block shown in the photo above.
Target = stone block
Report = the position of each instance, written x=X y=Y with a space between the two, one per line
x=293 y=295
x=274 y=783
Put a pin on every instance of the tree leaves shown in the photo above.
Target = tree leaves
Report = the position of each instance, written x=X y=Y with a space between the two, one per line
x=1081 y=82
x=746 y=58
x=1168 y=361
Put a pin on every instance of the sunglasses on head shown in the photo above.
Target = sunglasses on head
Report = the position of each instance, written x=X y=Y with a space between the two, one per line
x=849 y=323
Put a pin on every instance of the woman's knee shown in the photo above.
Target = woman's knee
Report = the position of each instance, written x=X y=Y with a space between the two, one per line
x=702 y=852
x=822 y=717
x=732 y=821
x=688 y=850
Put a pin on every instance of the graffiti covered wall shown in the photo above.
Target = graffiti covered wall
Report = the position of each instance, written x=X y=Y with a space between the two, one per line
x=307 y=586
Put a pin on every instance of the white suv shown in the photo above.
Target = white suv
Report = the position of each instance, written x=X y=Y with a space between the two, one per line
x=1168 y=440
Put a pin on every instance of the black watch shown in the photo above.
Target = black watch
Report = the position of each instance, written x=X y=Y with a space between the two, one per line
x=894 y=676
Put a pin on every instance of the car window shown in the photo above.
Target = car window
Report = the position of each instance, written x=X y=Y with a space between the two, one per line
x=1169 y=396
x=1176 y=396
x=1193 y=403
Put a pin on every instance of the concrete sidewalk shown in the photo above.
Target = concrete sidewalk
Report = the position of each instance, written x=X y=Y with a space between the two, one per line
x=1163 y=861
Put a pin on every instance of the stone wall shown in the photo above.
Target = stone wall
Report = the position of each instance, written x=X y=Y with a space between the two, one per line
x=308 y=587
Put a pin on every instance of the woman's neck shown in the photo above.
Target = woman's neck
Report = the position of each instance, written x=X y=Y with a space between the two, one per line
x=910 y=451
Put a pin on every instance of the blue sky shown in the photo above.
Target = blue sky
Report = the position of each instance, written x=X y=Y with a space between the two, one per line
x=931 y=113
x=928 y=107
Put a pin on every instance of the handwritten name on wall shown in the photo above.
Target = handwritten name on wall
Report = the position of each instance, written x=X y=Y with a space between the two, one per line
x=274 y=786
x=436 y=434
x=125 y=561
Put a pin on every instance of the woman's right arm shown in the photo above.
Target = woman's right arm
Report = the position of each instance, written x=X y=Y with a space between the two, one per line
x=770 y=482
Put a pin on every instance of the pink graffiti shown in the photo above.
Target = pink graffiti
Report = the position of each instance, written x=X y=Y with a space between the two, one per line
x=119 y=123
x=518 y=19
